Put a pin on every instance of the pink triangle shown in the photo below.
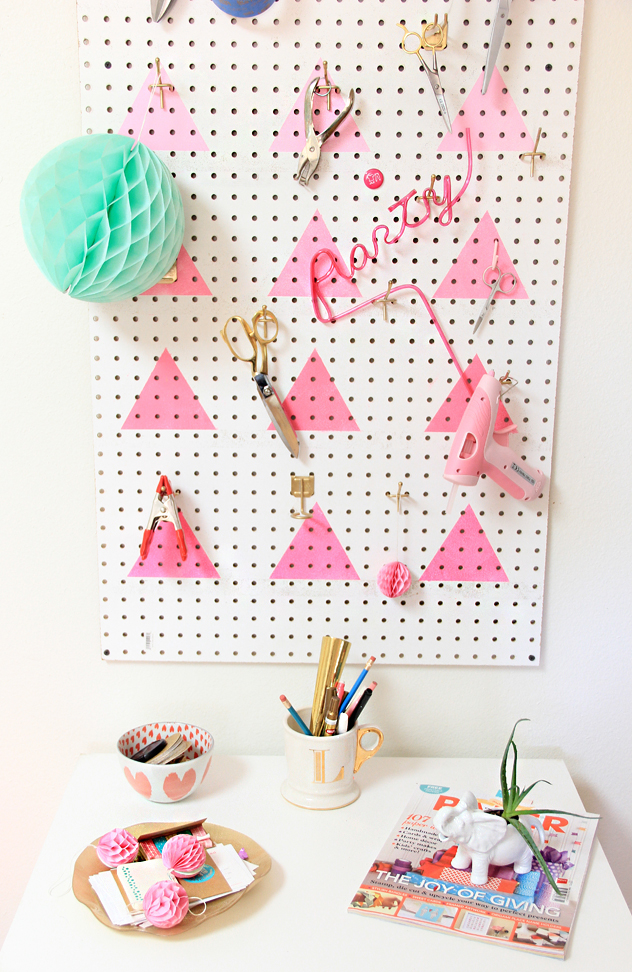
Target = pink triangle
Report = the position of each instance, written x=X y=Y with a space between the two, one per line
x=495 y=123
x=164 y=558
x=167 y=401
x=451 y=412
x=314 y=404
x=291 y=137
x=466 y=555
x=190 y=282
x=170 y=128
x=465 y=277
x=315 y=554
x=293 y=281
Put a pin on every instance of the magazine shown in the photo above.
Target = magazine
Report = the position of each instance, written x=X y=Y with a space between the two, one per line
x=413 y=880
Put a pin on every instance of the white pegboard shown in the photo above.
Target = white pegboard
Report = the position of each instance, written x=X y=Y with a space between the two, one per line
x=245 y=214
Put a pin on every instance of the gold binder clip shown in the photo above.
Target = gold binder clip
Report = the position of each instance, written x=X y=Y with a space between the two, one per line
x=159 y=84
x=302 y=487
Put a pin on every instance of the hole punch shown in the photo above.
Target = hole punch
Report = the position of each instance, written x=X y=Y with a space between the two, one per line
x=310 y=156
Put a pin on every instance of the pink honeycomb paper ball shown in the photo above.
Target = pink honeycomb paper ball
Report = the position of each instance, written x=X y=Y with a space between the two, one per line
x=184 y=855
x=117 y=847
x=165 y=904
x=394 y=579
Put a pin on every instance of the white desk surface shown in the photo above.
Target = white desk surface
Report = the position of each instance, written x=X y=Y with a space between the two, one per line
x=296 y=918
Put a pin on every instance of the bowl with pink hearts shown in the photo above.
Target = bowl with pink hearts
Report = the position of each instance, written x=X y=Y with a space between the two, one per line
x=165 y=761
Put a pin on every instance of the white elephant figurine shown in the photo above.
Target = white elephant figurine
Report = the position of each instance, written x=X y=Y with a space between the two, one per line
x=484 y=839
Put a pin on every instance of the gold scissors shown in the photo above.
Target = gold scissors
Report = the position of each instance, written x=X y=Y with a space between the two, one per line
x=259 y=339
x=433 y=37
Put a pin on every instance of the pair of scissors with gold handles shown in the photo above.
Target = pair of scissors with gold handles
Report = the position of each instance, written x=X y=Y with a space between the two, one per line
x=433 y=38
x=259 y=339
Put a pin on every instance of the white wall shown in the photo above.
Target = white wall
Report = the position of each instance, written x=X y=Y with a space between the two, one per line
x=58 y=699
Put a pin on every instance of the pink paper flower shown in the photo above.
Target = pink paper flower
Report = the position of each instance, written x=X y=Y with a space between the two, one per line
x=394 y=579
x=184 y=855
x=117 y=847
x=165 y=904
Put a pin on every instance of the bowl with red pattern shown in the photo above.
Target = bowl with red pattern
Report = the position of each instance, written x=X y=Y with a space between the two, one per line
x=165 y=783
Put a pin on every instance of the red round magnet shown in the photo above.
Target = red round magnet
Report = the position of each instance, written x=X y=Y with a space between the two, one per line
x=373 y=178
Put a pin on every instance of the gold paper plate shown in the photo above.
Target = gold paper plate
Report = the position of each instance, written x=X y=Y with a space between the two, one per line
x=88 y=863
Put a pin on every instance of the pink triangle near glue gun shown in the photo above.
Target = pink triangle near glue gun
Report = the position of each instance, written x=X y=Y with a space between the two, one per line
x=477 y=449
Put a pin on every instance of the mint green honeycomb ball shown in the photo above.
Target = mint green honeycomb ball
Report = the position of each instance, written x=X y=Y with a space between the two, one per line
x=102 y=217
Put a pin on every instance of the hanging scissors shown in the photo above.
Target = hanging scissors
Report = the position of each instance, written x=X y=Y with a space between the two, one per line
x=495 y=285
x=160 y=9
x=259 y=340
x=498 y=29
x=433 y=37
x=310 y=156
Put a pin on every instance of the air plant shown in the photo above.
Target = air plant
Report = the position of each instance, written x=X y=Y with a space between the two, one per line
x=513 y=797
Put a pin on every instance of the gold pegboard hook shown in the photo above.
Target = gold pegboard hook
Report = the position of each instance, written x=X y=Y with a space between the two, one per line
x=534 y=154
x=302 y=487
x=159 y=84
x=398 y=496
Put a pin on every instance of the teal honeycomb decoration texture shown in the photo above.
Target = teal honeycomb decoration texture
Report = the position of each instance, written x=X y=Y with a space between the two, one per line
x=102 y=217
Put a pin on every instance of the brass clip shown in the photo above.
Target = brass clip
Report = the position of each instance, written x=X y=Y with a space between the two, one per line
x=159 y=84
x=302 y=487
x=398 y=496
x=533 y=155
x=434 y=36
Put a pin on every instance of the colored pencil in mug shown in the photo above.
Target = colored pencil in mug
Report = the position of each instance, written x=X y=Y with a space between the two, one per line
x=357 y=684
x=297 y=719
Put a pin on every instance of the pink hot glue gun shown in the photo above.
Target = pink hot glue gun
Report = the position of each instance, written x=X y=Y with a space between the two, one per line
x=477 y=449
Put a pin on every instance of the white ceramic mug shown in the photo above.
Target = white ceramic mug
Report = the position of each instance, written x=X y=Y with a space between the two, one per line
x=320 y=769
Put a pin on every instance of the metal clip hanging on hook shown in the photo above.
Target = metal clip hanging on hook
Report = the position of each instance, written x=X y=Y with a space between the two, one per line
x=302 y=487
x=398 y=496
x=159 y=84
